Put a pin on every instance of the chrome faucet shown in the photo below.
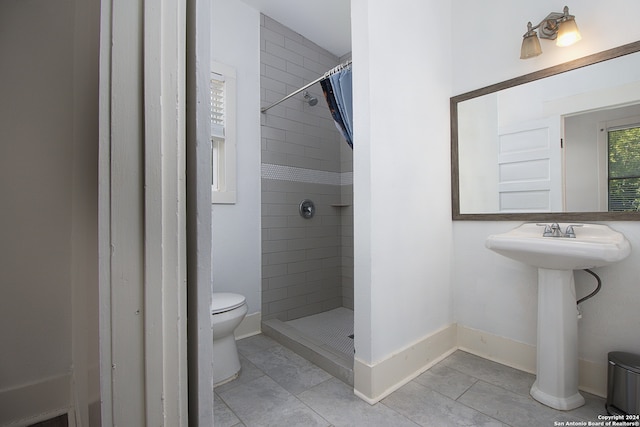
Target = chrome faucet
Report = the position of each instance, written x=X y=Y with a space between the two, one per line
x=554 y=230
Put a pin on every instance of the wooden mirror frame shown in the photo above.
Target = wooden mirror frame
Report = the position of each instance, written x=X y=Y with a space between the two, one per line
x=537 y=75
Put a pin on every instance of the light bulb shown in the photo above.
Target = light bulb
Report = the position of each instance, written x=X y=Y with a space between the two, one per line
x=568 y=33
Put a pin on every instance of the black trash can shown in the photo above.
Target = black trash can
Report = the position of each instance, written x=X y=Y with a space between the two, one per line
x=623 y=384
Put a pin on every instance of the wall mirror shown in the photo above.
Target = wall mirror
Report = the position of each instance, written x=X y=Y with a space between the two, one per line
x=559 y=144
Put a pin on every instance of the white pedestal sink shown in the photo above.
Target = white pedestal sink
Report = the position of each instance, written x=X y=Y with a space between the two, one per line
x=594 y=245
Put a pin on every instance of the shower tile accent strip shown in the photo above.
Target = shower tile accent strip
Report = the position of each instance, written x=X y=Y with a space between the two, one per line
x=312 y=176
x=346 y=178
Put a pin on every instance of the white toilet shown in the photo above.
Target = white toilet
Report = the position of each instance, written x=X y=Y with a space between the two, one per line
x=227 y=311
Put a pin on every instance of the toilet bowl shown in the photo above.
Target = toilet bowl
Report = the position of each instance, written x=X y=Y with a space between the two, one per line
x=227 y=311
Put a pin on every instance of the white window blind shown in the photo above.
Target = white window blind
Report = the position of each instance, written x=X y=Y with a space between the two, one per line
x=222 y=87
x=217 y=87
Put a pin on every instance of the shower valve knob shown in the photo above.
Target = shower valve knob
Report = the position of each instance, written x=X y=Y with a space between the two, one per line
x=307 y=209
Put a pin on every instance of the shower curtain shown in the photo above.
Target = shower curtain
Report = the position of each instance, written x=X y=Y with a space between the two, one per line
x=338 y=93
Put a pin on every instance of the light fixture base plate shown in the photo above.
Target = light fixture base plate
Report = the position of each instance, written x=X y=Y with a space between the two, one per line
x=544 y=31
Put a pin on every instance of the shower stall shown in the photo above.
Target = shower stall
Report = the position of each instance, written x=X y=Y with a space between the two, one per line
x=307 y=248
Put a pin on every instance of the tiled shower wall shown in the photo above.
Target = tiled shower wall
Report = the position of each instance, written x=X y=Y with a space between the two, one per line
x=307 y=263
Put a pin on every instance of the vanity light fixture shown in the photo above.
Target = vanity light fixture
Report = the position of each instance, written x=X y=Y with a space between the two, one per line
x=557 y=26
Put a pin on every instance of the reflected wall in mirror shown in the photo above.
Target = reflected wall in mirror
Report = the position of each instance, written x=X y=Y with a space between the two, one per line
x=551 y=144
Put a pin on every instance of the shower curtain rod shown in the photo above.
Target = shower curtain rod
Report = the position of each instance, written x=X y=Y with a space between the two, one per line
x=327 y=74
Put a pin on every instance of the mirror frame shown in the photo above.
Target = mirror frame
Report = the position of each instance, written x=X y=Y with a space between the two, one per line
x=537 y=75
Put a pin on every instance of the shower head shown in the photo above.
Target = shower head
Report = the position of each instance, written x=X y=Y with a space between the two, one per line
x=311 y=100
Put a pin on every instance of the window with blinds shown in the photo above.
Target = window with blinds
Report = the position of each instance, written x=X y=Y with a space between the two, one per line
x=222 y=87
x=624 y=168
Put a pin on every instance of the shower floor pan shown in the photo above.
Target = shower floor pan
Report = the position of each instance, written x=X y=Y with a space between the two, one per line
x=325 y=339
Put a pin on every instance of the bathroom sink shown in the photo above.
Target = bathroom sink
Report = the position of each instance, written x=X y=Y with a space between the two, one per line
x=594 y=245
x=565 y=248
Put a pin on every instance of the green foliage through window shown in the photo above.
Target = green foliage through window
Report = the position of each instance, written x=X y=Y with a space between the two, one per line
x=624 y=169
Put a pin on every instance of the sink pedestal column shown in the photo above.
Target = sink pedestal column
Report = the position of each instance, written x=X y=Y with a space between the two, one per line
x=556 y=384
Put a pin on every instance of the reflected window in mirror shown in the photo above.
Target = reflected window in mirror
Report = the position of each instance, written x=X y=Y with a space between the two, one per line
x=592 y=167
x=624 y=167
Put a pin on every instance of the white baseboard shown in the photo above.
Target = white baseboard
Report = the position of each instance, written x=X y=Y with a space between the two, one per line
x=498 y=349
x=250 y=326
x=593 y=376
x=36 y=402
x=374 y=382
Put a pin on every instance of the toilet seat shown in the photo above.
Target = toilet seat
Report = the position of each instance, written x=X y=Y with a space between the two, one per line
x=225 y=301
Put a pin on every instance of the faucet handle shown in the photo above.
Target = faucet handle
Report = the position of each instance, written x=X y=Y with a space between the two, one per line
x=547 y=230
x=570 y=230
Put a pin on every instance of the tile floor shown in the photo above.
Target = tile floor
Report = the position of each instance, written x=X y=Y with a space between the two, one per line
x=277 y=387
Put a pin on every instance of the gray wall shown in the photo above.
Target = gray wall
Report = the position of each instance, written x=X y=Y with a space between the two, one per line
x=49 y=220
x=307 y=263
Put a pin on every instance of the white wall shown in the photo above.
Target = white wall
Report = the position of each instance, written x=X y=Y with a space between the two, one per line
x=488 y=36
x=36 y=176
x=402 y=226
x=236 y=228
x=48 y=186
x=491 y=293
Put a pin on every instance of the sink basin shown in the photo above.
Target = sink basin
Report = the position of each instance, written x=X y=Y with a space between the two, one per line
x=595 y=245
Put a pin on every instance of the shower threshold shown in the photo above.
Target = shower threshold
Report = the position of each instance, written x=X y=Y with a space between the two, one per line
x=324 y=339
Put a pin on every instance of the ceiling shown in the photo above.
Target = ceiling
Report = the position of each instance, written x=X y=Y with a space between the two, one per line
x=327 y=23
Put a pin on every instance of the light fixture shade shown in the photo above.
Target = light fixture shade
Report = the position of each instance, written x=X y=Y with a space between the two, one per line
x=530 y=46
x=568 y=33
